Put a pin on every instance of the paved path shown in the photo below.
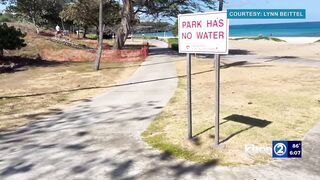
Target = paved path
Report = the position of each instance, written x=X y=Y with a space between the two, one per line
x=100 y=139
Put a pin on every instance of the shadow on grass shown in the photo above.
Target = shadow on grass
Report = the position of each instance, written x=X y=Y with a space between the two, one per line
x=276 y=58
x=244 y=64
x=239 y=52
x=12 y=64
x=251 y=122
x=231 y=52
x=261 y=123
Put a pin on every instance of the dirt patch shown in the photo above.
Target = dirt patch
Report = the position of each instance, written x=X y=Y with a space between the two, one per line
x=89 y=55
x=39 y=91
x=16 y=63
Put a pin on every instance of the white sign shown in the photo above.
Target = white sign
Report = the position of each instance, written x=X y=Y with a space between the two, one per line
x=204 y=33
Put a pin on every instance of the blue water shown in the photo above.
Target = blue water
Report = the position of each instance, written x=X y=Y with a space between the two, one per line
x=307 y=29
x=156 y=34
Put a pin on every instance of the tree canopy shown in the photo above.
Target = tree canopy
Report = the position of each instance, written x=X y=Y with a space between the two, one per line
x=119 y=16
x=151 y=26
x=85 y=13
x=40 y=12
x=156 y=8
x=10 y=38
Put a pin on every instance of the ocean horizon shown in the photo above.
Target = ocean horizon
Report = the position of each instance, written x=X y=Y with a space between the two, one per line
x=300 y=29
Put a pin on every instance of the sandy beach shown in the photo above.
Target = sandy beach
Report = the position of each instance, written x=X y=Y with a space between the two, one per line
x=294 y=47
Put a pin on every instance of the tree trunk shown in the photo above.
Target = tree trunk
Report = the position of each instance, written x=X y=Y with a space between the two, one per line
x=35 y=24
x=85 y=33
x=126 y=24
x=97 y=31
x=221 y=5
x=99 y=52
x=78 y=34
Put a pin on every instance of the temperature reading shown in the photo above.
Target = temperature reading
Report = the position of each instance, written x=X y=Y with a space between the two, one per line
x=296 y=145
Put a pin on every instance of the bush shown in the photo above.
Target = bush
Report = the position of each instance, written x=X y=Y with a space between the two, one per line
x=6 y=18
x=173 y=40
x=175 y=29
x=173 y=44
x=175 y=47
x=10 y=38
x=92 y=36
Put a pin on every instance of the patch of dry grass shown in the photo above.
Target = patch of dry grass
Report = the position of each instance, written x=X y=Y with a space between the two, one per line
x=31 y=94
x=259 y=103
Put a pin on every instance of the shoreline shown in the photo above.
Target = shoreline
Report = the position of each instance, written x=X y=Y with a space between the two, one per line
x=293 y=40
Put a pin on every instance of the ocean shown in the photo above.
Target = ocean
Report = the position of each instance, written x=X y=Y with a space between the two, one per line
x=305 y=29
x=155 y=34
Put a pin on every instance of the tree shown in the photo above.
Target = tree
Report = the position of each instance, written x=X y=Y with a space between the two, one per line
x=156 y=8
x=39 y=12
x=99 y=52
x=126 y=24
x=151 y=26
x=85 y=13
x=175 y=29
x=10 y=38
x=221 y=5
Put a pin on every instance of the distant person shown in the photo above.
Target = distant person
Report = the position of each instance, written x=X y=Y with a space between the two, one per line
x=58 y=30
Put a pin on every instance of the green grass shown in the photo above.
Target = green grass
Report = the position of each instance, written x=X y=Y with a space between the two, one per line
x=148 y=37
x=261 y=38
x=173 y=43
x=159 y=142
x=4 y=101
x=174 y=150
x=92 y=36
x=7 y=18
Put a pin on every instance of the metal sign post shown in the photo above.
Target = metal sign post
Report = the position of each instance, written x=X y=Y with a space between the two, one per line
x=189 y=96
x=217 y=98
x=217 y=114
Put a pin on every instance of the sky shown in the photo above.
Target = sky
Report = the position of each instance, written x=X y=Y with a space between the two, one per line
x=1 y=7
x=312 y=7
